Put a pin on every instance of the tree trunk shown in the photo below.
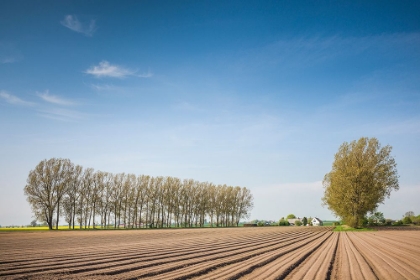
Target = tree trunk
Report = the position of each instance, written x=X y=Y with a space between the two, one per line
x=58 y=214
x=119 y=215
x=115 y=215
x=49 y=219
x=94 y=214
x=74 y=212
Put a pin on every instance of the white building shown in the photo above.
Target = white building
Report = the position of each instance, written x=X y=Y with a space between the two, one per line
x=317 y=222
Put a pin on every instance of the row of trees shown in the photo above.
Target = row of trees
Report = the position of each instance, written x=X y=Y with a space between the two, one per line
x=304 y=221
x=58 y=188
x=283 y=222
x=378 y=219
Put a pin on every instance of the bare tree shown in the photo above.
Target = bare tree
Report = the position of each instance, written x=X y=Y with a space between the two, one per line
x=244 y=205
x=73 y=193
x=128 y=198
x=117 y=197
x=85 y=196
x=212 y=202
x=57 y=187
x=105 y=199
x=46 y=185
x=142 y=185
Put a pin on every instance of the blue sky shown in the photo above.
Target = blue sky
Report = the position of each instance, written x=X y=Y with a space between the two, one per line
x=249 y=93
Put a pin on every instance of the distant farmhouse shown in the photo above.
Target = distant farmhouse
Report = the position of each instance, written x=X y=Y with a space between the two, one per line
x=317 y=222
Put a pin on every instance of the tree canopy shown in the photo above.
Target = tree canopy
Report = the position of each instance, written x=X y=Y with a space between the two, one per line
x=46 y=185
x=376 y=218
x=291 y=216
x=363 y=174
x=57 y=188
x=283 y=222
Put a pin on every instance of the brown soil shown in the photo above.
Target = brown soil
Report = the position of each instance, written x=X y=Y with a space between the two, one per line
x=222 y=253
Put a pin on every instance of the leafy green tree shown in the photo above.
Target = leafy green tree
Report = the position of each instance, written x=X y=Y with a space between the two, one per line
x=364 y=221
x=398 y=223
x=363 y=174
x=380 y=218
x=298 y=223
x=415 y=219
x=305 y=221
x=33 y=223
x=283 y=222
x=310 y=221
x=376 y=218
x=291 y=216
x=407 y=220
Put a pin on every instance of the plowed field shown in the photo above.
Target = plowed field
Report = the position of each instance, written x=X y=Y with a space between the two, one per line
x=233 y=253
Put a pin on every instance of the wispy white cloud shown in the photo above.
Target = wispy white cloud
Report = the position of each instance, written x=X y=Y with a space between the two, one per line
x=52 y=111
x=12 y=99
x=105 y=69
x=73 y=23
x=47 y=110
x=46 y=96
x=61 y=114
x=102 y=87
x=310 y=51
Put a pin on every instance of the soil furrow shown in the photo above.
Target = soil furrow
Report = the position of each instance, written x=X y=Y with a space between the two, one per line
x=194 y=271
x=167 y=266
x=349 y=263
x=211 y=253
x=114 y=265
x=280 y=268
x=381 y=261
x=319 y=264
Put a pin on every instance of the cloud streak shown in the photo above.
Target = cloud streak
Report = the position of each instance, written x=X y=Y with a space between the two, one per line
x=105 y=69
x=303 y=52
x=46 y=96
x=46 y=111
x=11 y=99
x=61 y=114
x=102 y=87
x=73 y=23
